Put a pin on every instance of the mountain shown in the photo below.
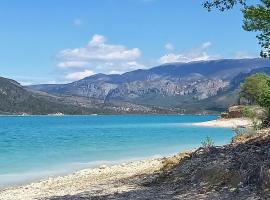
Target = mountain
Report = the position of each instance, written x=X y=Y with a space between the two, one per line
x=202 y=85
x=15 y=99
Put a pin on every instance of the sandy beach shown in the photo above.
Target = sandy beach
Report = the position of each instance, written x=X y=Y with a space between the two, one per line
x=225 y=123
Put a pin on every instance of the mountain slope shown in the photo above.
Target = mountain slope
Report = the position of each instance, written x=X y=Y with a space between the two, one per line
x=15 y=99
x=196 y=85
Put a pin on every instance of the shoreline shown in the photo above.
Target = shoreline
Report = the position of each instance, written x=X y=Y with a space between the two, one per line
x=116 y=114
x=101 y=180
x=225 y=123
x=71 y=168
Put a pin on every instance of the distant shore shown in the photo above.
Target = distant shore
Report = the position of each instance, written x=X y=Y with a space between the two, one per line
x=225 y=123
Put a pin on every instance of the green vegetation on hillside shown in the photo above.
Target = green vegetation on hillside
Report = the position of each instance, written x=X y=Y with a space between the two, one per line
x=14 y=99
x=256 y=90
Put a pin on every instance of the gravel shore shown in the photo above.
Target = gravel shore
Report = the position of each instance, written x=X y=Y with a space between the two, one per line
x=95 y=182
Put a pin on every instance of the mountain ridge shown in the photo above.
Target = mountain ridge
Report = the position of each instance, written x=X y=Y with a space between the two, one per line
x=196 y=87
x=195 y=80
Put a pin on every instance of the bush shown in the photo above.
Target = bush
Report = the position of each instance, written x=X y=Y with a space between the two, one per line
x=256 y=125
x=207 y=143
x=248 y=112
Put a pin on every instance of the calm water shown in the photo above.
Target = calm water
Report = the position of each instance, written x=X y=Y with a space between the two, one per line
x=36 y=147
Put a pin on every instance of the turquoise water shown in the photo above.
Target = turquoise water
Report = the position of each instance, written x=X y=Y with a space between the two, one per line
x=34 y=147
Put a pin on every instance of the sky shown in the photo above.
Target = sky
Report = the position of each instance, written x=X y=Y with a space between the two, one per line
x=60 y=41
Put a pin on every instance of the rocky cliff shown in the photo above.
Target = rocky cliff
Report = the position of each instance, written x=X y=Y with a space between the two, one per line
x=169 y=85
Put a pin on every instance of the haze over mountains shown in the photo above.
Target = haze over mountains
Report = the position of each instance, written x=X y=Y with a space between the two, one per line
x=196 y=87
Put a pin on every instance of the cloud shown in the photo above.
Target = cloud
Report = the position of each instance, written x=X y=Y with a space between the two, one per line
x=98 y=50
x=169 y=47
x=69 y=64
x=196 y=54
x=77 y=22
x=99 y=56
x=78 y=75
x=244 y=54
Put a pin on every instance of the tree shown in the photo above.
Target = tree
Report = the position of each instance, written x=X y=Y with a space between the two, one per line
x=222 y=5
x=256 y=89
x=256 y=18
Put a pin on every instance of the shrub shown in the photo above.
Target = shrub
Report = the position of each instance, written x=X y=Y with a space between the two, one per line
x=248 y=112
x=207 y=143
x=256 y=125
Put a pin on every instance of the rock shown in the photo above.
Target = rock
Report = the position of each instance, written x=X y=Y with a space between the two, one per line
x=235 y=112
x=224 y=115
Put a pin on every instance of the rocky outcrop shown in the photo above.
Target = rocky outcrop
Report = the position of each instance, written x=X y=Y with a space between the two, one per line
x=235 y=112
x=199 y=89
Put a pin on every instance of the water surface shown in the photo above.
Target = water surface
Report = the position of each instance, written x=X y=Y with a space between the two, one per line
x=33 y=147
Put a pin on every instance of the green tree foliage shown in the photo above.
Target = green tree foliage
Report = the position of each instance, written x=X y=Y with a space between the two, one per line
x=256 y=89
x=256 y=18
x=248 y=112
x=222 y=5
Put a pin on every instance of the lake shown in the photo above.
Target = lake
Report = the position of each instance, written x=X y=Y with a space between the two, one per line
x=35 y=147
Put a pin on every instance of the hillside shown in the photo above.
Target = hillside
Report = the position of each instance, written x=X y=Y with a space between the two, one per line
x=15 y=99
x=204 y=86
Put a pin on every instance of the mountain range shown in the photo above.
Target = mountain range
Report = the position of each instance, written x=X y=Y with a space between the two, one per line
x=195 y=87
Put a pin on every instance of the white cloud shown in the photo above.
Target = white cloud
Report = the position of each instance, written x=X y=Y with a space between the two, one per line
x=97 y=40
x=206 y=45
x=196 y=54
x=98 y=56
x=78 y=75
x=69 y=64
x=169 y=47
x=77 y=22
x=244 y=54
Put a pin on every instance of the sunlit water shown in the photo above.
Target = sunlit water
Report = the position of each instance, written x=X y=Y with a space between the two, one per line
x=34 y=147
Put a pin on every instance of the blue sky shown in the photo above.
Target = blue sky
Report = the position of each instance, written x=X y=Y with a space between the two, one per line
x=54 y=41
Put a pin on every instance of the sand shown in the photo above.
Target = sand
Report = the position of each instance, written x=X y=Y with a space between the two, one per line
x=225 y=123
